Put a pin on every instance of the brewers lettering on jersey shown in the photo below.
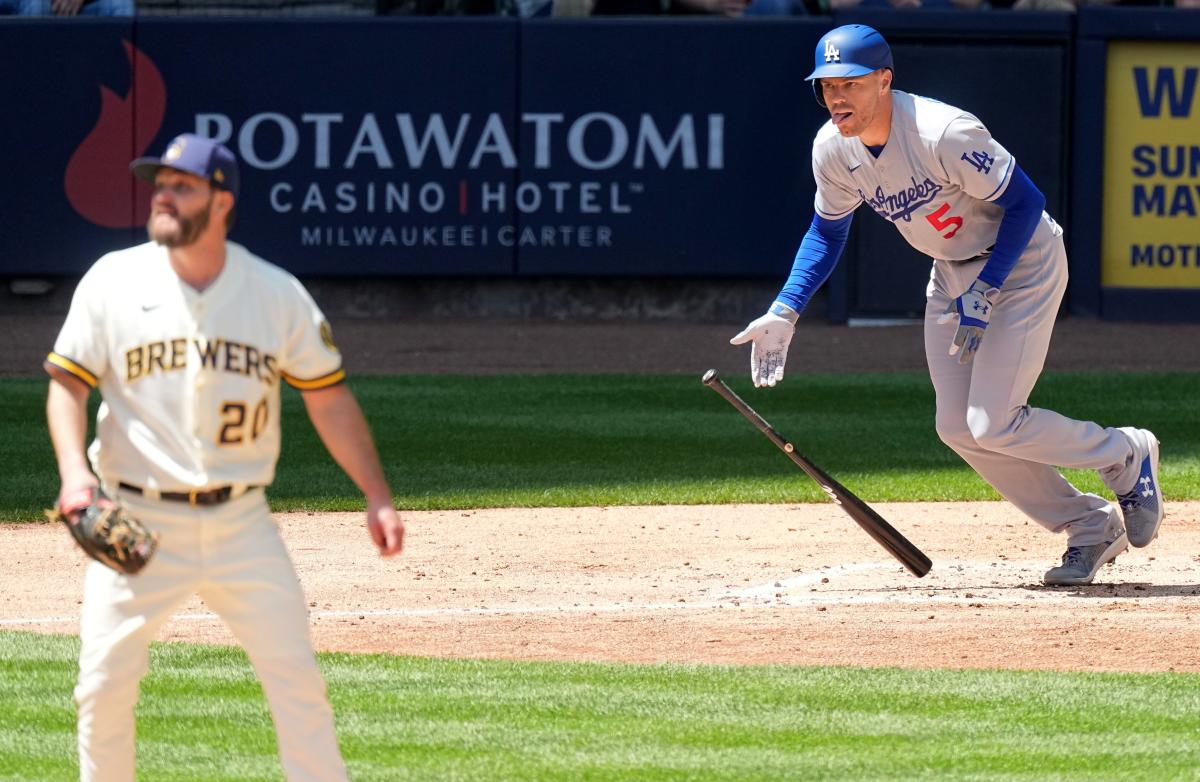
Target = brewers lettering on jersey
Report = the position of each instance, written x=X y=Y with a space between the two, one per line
x=189 y=338
x=999 y=273
x=201 y=369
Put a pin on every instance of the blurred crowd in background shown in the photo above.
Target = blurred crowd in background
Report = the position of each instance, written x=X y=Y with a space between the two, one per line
x=533 y=8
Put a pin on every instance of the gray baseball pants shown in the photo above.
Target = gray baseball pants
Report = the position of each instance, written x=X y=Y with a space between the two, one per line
x=983 y=410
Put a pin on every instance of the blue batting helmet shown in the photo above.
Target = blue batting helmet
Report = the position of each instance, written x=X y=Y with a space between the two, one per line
x=849 y=50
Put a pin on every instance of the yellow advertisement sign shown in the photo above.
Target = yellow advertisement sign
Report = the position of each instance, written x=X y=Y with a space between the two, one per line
x=1151 y=229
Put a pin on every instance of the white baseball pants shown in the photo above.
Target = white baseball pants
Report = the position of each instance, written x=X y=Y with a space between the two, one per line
x=233 y=557
x=982 y=407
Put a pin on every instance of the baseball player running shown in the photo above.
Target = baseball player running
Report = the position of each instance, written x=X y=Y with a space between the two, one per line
x=188 y=338
x=999 y=273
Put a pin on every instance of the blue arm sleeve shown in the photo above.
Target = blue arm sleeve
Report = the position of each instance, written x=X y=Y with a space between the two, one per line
x=1023 y=204
x=818 y=254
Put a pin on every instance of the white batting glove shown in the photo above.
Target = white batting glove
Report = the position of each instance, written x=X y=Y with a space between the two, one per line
x=972 y=310
x=769 y=336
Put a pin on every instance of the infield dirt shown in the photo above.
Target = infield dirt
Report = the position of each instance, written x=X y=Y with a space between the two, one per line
x=699 y=584
x=690 y=584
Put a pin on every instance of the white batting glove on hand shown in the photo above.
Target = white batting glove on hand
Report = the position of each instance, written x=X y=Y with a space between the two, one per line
x=769 y=336
x=972 y=310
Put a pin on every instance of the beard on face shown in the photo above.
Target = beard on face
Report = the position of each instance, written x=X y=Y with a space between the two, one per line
x=185 y=231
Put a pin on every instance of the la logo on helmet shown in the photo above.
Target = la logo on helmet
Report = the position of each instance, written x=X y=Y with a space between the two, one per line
x=832 y=53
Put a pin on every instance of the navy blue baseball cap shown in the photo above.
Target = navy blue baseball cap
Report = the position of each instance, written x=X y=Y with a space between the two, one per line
x=193 y=154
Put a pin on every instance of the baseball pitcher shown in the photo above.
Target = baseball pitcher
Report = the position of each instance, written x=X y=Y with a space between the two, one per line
x=999 y=273
x=188 y=339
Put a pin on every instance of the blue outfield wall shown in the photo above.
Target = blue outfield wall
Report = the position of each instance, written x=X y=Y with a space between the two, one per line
x=713 y=178
x=496 y=147
x=423 y=146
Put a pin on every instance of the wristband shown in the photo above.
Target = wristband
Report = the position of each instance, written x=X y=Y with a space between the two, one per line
x=785 y=312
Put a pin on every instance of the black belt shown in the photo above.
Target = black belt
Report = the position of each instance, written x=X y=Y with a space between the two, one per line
x=193 y=497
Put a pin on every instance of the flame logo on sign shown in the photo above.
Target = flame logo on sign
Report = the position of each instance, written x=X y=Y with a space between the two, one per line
x=98 y=184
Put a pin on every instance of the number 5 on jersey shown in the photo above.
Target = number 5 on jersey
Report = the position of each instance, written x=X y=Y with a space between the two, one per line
x=940 y=222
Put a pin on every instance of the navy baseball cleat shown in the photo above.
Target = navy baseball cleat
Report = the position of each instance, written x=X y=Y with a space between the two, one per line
x=1080 y=563
x=1142 y=505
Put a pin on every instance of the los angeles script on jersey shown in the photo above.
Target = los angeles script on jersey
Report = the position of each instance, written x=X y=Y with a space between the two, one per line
x=218 y=355
x=901 y=205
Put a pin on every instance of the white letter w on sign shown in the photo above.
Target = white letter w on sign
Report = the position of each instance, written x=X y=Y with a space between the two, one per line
x=831 y=52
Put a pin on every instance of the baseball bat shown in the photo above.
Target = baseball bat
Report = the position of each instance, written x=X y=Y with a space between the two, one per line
x=884 y=534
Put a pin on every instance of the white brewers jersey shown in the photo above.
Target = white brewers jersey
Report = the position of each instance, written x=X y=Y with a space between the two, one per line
x=190 y=380
x=935 y=179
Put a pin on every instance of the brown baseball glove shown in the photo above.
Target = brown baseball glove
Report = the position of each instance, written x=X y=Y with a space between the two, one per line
x=104 y=531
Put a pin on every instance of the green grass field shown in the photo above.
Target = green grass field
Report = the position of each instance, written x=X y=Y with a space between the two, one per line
x=451 y=442
x=462 y=442
x=202 y=717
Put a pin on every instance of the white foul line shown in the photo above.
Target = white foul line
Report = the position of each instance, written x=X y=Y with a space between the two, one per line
x=773 y=595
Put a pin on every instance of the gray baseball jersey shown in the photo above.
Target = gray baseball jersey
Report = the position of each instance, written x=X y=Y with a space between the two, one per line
x=935 y=179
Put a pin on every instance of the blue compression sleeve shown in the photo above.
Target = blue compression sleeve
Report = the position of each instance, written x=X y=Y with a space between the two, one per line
x=1023 y=204
x=818 y=254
